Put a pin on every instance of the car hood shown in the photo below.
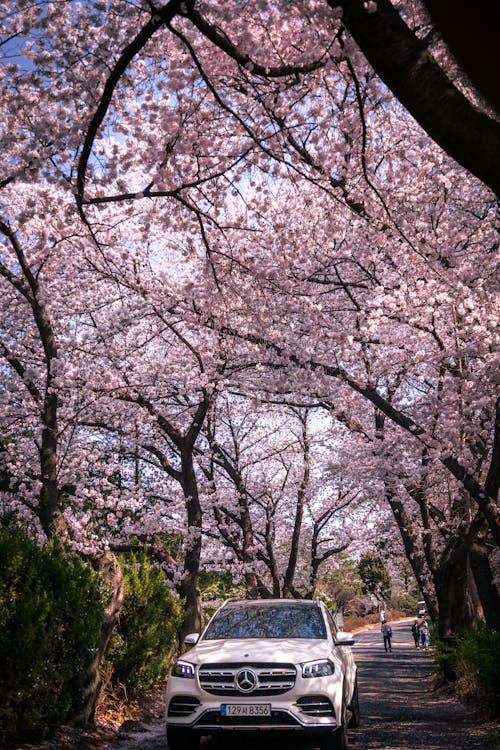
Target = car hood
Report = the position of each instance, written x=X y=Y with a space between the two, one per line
x=258 y=650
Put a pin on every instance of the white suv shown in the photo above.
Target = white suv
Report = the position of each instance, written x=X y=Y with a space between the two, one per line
x=276 y=665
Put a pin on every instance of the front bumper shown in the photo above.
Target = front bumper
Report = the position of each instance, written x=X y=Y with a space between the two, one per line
x=313 y=705
x=210 y=721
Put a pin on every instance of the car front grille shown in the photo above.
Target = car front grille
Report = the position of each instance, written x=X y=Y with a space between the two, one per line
x=272 y=679
x=316 y=705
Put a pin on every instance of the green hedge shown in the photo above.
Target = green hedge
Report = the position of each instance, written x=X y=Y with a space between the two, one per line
x=140 y=651
x=404 y=602
x=50 y=619
x=472 y=660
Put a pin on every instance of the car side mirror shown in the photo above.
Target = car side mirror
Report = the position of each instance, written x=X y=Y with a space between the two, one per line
x=191 y=639
x=344 y=639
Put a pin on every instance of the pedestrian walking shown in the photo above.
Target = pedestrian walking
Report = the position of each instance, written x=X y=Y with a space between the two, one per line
x=424 y=635
x=386 y=631
x=415 y=631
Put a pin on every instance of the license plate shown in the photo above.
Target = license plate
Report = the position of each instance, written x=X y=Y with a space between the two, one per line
x=245 y=709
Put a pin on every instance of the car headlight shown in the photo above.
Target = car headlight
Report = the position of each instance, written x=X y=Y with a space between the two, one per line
x=322 y=668
x=183 y=669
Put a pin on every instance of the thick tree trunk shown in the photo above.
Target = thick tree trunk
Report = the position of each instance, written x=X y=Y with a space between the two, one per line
x=471 y=33
x=313 y=576
x=107 y=565
x=485 y=584
x=403 y=62
x=456 y=607
x=49 y=507
x=414 y=555
x=188 y=588
x=299 y=515
x=191 y=623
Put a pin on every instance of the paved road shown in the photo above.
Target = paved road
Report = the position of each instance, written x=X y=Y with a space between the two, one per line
x=400 y=710
x=371 y=638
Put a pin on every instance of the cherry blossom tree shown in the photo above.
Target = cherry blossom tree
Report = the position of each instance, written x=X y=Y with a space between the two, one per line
x=159 y=380
x=203 y=198
x=400 y=42
x=37 y=399
x=277 y=507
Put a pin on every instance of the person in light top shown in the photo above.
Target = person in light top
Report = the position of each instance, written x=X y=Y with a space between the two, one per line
x=424 y=635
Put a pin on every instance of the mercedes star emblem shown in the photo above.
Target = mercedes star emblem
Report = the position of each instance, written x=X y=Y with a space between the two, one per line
x=246 y=680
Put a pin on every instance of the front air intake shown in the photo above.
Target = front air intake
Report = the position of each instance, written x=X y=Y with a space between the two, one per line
x=316 y=705
x=182 y=705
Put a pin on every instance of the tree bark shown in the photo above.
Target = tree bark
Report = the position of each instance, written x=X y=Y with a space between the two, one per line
x=107 y=565
x=299 y=514
x=49 y=507
x=188 y=588
x=485 y=583
x=456 y=607
x=405 y=65
x=471 y=32
x=415 y=555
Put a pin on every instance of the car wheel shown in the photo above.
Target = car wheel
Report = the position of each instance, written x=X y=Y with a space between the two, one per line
x=354 y=708
x=182 y=739
x=337 y=740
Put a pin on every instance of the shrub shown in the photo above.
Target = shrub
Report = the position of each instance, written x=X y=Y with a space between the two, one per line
x=140 y=650
x=375 y=576
x=342 y=588
x=355 y=622
x=50 y=619
x=472 y=659
x=404 y=602
x=478 y=657
x=215 y=588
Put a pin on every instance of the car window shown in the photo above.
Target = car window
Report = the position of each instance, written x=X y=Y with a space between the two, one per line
x=332 y=624
x=256 y=621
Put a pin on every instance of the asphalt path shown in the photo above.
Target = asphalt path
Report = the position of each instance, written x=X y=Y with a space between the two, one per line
x=401 y=709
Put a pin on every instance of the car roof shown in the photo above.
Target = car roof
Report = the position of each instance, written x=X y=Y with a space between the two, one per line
x=271 y=602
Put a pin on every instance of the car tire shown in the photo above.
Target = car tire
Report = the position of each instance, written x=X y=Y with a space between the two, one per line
x=354 y=708
x=182 y=739
x=337 y=740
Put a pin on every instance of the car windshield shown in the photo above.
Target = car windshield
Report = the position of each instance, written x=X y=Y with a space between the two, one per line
x=267 y=621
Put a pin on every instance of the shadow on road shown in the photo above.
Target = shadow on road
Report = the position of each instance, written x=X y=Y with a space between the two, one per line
x=401 y=707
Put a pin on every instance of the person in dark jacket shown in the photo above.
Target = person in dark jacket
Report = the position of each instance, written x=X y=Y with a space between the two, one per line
x=386 y=631
x=415 y=631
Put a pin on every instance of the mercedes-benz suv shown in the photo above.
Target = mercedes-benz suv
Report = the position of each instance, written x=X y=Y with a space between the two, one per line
x=276 y=665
